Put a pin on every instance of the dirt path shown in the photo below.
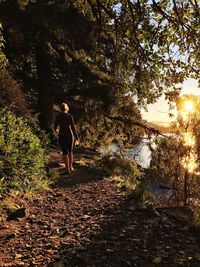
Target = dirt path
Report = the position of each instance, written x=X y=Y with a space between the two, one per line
x=84 y=221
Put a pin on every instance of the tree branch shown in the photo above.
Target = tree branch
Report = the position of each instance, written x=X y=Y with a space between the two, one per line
x=133 y=28
x=136 y=123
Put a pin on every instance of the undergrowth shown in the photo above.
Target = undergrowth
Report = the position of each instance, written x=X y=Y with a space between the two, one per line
x=128 y=177
x=23 y=156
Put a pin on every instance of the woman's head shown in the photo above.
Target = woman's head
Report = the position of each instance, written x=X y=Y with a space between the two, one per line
x=64 y=107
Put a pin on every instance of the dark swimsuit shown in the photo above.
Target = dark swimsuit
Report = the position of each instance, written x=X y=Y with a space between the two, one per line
x=67 y=132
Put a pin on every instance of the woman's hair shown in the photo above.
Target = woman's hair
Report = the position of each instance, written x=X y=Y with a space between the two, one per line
x=64 y=107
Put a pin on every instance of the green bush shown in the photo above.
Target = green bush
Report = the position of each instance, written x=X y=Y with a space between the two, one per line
x=22 y=157
x=124 y=172
x=128 y=176
x=116 y=165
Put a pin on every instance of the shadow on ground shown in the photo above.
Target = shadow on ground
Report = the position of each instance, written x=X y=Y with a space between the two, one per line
x=80 y=175
x=84 y=170
x=85 y=221
x=137 y=237
x=132 y=237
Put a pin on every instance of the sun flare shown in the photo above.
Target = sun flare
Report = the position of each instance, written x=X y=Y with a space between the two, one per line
x=190 y=163
x=189 y=106
x=189 y=139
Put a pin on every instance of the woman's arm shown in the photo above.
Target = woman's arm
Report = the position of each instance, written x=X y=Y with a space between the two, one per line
x=73 y=127
x=56 y=123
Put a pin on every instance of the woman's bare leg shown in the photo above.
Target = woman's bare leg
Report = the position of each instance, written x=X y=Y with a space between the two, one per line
x=67 y=162
x=71 y=161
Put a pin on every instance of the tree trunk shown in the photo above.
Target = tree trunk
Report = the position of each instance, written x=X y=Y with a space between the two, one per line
x=186 y=187
x=45 y=87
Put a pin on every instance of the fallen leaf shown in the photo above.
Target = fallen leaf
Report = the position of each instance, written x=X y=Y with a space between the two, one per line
x=86 y=216
x=78 y=234
x=109 y=250
x=18 y=256
x=51 y=251
x=21 y=263
x=53 y=237
x=157 y=260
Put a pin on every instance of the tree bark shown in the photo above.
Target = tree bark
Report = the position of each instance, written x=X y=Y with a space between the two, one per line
x=45 y=87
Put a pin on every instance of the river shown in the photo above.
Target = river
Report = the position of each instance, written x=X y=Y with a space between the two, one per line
x=142 y=155
x=140 y=152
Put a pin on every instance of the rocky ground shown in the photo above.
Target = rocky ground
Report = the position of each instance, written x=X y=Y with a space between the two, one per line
x=84 y=221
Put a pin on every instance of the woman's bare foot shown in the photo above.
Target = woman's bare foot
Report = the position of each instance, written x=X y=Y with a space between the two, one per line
x=66 y=172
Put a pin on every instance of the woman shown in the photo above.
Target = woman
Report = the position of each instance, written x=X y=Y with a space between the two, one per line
x=66 y=135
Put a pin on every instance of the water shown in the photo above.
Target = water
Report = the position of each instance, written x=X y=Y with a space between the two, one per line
x=140 y=152
x=142 y=155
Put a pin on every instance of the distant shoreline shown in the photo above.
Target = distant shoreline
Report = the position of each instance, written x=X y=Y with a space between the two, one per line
x=163 y=127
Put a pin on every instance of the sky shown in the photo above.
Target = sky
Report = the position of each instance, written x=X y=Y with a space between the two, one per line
x=158 y=112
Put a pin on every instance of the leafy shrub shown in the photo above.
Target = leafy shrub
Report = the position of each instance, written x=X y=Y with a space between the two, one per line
x=120 y=166
x=168 y=167
x=128 y=177
x=142 y=196
x=165 y=160
x=22 y=157
x=3 y=59
x=125 y=172
x=11 y=94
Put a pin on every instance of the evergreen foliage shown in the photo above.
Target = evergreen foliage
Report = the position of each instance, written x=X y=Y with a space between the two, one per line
x=93 y=54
